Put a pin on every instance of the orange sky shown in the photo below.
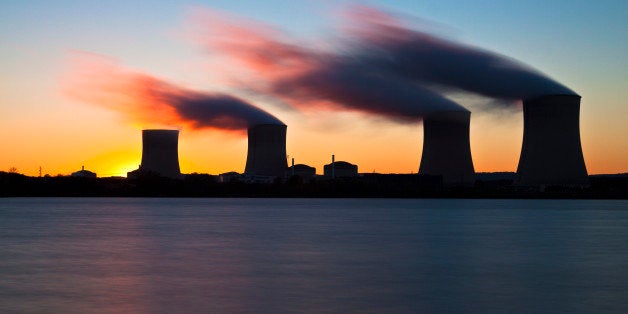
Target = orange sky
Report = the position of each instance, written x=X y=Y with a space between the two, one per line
x=41 y=126
x=60 y=142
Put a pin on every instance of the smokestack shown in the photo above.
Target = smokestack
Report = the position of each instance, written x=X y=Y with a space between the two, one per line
x=160 y=152
x=292 y=166
x=333 y=166
x=267 y=150
x=551 y=153
x=446 y=147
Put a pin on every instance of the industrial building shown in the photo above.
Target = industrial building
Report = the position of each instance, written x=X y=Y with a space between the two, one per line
x=446 y=147
x=229 y=177
x=83 y=173
x=340 y=169
x=303 y=171
x=266 y=151
x=160 y=154
x=551 y=153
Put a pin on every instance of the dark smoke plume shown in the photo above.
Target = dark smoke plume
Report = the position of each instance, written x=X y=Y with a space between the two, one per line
x=344 y=83
x=381 y=66
x=220 y=111
x=426 y=58
x=148 y=100
x=309 y=79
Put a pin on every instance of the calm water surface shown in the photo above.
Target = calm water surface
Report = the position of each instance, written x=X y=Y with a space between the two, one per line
x=78 y=255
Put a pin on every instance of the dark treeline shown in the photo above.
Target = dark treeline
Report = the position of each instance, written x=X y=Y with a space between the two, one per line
x=368 y=185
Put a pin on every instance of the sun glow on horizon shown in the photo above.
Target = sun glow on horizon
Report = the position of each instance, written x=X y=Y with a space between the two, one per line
x=44 y=130
x=115 y=163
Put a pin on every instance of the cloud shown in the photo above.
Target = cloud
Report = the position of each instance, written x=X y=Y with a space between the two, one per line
x=145 y=99
x=428 y=59
x=312 y=79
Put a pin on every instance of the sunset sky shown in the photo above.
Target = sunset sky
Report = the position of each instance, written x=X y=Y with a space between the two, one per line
x=54 y=115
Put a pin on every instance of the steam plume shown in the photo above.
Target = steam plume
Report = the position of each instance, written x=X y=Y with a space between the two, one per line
x=149 y=100
x=426 y=58
x=307 y=78
x=347 y=84
x=382 y=66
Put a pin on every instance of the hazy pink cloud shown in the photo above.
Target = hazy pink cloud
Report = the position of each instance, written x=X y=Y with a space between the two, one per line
x=147 y=100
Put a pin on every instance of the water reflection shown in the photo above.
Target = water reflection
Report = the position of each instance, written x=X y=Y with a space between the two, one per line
x=246 y=255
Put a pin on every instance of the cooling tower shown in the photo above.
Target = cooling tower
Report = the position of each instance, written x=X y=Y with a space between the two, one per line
x=446 y=147
x=160 y=152
x=551 y=153
x=267 y=150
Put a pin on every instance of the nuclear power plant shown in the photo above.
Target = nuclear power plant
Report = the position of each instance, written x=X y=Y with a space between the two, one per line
x=446 y=147
x=159 y=154
x=551 y=153
x=267 y=150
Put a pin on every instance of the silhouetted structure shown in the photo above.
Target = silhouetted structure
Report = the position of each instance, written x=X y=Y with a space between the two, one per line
x=304 y=171
x=229 y=177
x=446 y=147
x=551 y=153
x=341 y=169
x=83 y=173
x=160 y=154
x=267 y=150
x=366 y=185
x=495 y=176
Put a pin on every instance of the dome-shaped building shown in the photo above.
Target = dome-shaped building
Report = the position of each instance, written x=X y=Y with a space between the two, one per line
x=340 y=169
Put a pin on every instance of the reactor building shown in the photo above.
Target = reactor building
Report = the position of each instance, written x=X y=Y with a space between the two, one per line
x=446 y=147
x=160 y=154
x=303 y=171
x=551 y=153
x=267 y=151
x=339 y=169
